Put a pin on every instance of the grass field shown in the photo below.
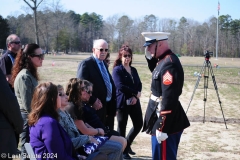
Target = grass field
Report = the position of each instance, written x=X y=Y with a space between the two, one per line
x=209 y=140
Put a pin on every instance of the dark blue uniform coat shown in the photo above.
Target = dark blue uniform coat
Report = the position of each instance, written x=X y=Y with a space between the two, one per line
x=167 y=82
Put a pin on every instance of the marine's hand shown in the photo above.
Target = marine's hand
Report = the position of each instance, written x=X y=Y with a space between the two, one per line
x=161 y=136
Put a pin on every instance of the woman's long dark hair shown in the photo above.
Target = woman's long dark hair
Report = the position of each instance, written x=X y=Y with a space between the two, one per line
x=23 y=61
x=44 y=101
x=74 y=92
x=121 y=52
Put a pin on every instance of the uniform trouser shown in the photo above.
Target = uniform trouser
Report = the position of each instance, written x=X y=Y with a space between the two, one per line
x=167 y=150
x=135 y=113
x=24 y=136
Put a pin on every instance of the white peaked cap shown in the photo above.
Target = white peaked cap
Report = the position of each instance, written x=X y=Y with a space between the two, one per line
x=151 y=37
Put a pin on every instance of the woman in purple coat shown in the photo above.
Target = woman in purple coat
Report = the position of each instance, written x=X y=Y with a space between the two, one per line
x=47 y=138
x=128 y=90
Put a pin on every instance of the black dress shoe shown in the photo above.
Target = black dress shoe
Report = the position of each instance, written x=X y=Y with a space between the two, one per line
x=126 y=156
x=131 y=151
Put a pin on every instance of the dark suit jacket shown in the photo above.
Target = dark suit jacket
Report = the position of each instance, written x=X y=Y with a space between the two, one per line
x=88 y=70
x=11 y=121
x=125 y=86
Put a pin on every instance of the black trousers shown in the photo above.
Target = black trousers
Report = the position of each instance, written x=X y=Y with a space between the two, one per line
x=109 y=120
x=135 y=113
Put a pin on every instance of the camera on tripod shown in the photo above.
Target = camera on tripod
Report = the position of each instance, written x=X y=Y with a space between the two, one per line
x=208 y=54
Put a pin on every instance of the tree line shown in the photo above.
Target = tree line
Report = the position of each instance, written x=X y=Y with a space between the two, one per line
x=67 y=31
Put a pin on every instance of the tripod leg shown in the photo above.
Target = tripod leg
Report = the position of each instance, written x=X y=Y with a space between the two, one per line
x=206 y=76
x=216 y=88
x=196 y=85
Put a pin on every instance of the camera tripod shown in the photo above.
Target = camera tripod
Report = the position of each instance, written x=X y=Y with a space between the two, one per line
x=207 y=67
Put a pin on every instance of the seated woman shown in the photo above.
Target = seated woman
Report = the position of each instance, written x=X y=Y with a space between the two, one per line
x=110 y=148
x=47 y=137
x=75 y=91
x=78 y=140
x=90 y=116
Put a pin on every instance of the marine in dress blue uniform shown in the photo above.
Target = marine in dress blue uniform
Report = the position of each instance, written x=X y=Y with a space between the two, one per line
x=165 y=118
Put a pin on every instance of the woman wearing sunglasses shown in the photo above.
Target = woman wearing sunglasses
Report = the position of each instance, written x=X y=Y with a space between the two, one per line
x=77 y=93
x=128 y=90
x=25 y=79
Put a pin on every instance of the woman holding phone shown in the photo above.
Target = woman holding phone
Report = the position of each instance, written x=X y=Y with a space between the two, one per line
x=128 y=90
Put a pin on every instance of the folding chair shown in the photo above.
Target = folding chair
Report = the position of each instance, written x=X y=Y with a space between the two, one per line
x=30 y=151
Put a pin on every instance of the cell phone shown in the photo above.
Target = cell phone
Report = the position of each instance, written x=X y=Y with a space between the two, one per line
x=129 y=101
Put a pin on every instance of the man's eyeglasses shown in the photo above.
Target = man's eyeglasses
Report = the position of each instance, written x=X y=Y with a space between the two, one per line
x=101 y=50
x=127 y=55
x=40 y=56
x=16 y=42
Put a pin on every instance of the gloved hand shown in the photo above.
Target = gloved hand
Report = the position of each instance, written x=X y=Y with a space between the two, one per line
x=161 y=136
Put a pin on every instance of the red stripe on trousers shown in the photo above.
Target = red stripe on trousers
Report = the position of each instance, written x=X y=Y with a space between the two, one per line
x=164 y=150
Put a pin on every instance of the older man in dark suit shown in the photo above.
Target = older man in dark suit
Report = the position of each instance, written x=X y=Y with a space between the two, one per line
x=95 y=70
x=11 y=121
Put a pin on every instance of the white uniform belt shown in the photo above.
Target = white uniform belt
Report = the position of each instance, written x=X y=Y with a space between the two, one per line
x=155 y=98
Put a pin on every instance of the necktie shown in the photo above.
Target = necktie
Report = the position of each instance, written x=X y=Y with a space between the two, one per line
x=106 y=80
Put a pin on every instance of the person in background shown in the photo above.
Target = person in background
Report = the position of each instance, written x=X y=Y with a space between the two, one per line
x=25 y=79
x=13 y=44
x=95 y=70
x=128 y=91
x=10 y=119
x=165 y=118
x=107 y=59
x=47 y=137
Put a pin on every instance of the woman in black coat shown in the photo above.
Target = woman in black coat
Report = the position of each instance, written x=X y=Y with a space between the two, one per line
x=128 y=90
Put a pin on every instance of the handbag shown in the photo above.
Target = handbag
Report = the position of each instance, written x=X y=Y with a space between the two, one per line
x=92 y=147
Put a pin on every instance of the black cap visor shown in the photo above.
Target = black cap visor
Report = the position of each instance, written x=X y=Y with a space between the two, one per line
x=147 y=43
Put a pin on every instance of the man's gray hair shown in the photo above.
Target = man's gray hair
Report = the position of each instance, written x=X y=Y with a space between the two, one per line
x=10 y=39
x=96 y=42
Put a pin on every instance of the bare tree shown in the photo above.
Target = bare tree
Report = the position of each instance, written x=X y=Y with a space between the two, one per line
x=34 y=8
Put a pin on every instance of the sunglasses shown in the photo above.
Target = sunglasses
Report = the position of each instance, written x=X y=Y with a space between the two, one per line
x=127 y=55
x=16 y=42
x=61 y=94
x=40 y=56
x=89 y=92
x=101 y=50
